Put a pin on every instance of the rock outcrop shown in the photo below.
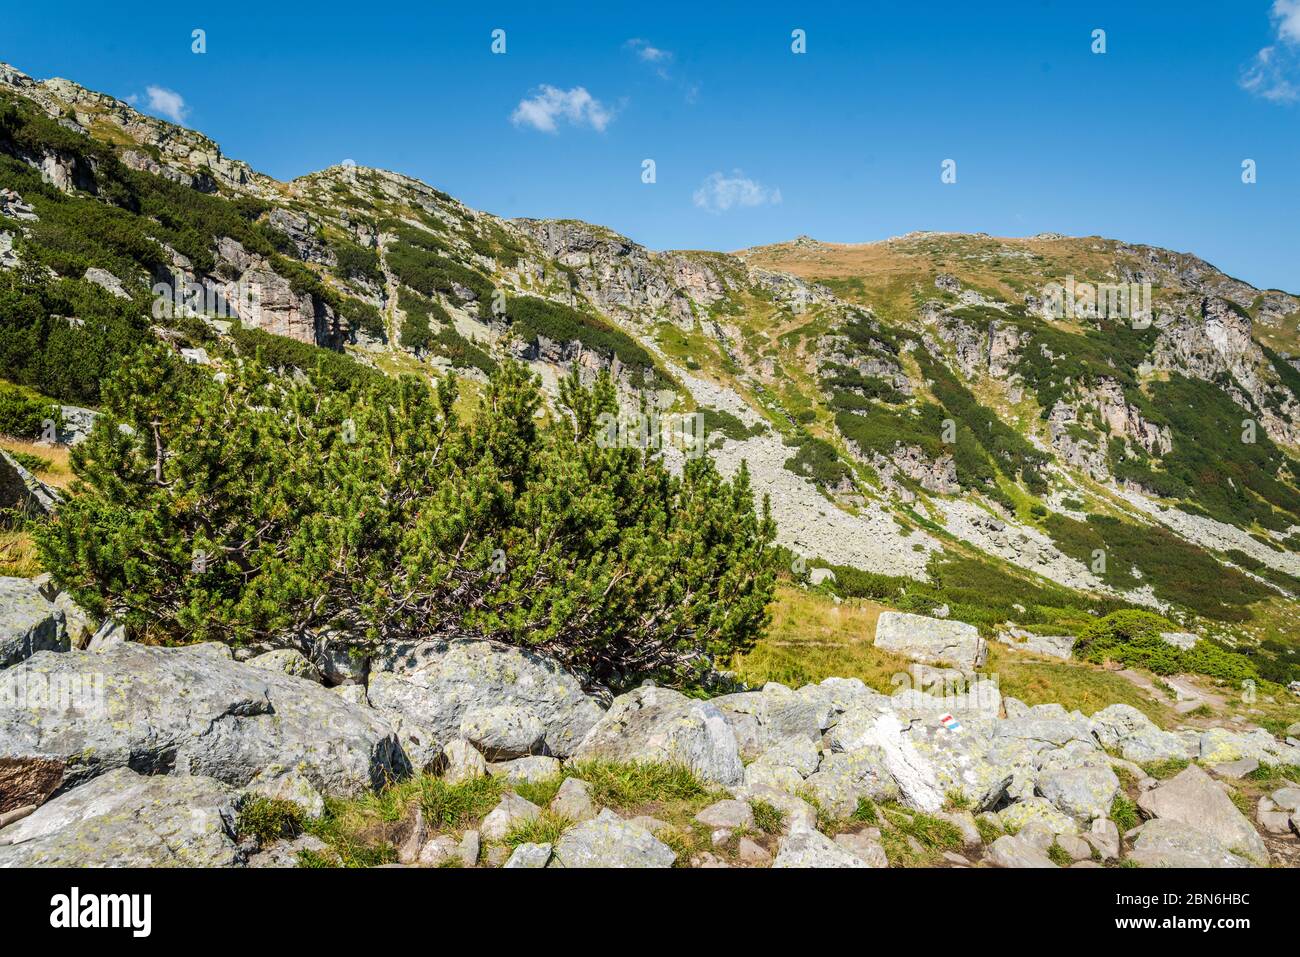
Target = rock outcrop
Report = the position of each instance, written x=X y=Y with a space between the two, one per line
x=932 y=640
x=661 y=725
x=69 y=717
x=434 y=684
x=28 y=622
x=125 y=819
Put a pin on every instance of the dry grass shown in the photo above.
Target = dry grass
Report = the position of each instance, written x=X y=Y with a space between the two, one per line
x=59 y=474
x=1074 y=684
x=812 y=638
x=18 y=555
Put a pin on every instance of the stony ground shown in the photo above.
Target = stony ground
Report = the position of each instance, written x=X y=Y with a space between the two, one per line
x=471 y=753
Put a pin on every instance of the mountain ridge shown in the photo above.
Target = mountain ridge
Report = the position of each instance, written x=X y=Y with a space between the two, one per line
x=832 y=369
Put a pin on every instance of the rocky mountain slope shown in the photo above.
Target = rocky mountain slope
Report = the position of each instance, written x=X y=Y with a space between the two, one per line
x=916 y=409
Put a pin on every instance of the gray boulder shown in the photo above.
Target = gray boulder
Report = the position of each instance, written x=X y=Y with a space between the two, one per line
x=1037 y=812
x=796 y=753
x=609 y=841
x=932 y=640
x=181 y=711
x=661 y=725
x=109 y=634
x=28 y=622
x=573 y=800
x=508 y=814
x=1193 y=798
x=1017 y=851
x=727 y=815
x=502 y=732
x=864 y=848
x=1104 y=838
x=434 y=683
x=461 y=761
x=1084 y=793
x=844 y=779
x=530 y=855
x=537 y=767
x=288 y=661
x=278 y=783
x=804 y=847
x=123 y=819
x=1052 y=646
x=289 y=853
x=23 y=492
x=765 y=719
x=1151 y=745
x=1165 y=842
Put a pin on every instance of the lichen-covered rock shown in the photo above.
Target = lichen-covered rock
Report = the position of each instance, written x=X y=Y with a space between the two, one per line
x=1017 y=851
x=1104 y=838
x=434 y=683
x=1037 y=811
x=1117 y=722
x=537 y=767
x=1165 y=842
x=764 y=719
x=1041 y=733
x=461 y=761
x=728 y=815
x=530 y=855
x=24 y=493
x=290 y=853
x=1084 y=793
x=277 y=783
x=844 y=779
x=182 y=711
x=774 y=777
x=862 y=847
x=28 y=622
x=660 y=725
x=609 y=841
x=1193 y=798
x=932 y=640
x=796 y=753
x=974 y=763
x=290 y=661
x=510 y=812
x=804 y=847
x=502 y=732
x=1221 y=746
x=123 y=819
x=573 y=800
x=1151 y=746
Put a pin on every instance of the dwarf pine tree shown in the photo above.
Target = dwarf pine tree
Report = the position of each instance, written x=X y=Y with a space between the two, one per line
x=262 y=507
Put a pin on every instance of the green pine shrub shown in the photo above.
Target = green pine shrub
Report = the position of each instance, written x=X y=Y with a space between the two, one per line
x=316 y=500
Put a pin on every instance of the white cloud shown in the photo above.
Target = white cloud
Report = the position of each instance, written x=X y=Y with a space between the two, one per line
x=1287 y=15
x=167 y=103
x=719 y=193
x=1266 y=77
x=648 y=53
x=1271 y=73
x=546 y=108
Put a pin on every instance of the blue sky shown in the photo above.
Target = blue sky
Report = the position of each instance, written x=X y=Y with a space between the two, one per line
x=751 y=142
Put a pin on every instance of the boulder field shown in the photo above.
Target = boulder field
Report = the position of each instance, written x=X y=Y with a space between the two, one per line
x=125 y=754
